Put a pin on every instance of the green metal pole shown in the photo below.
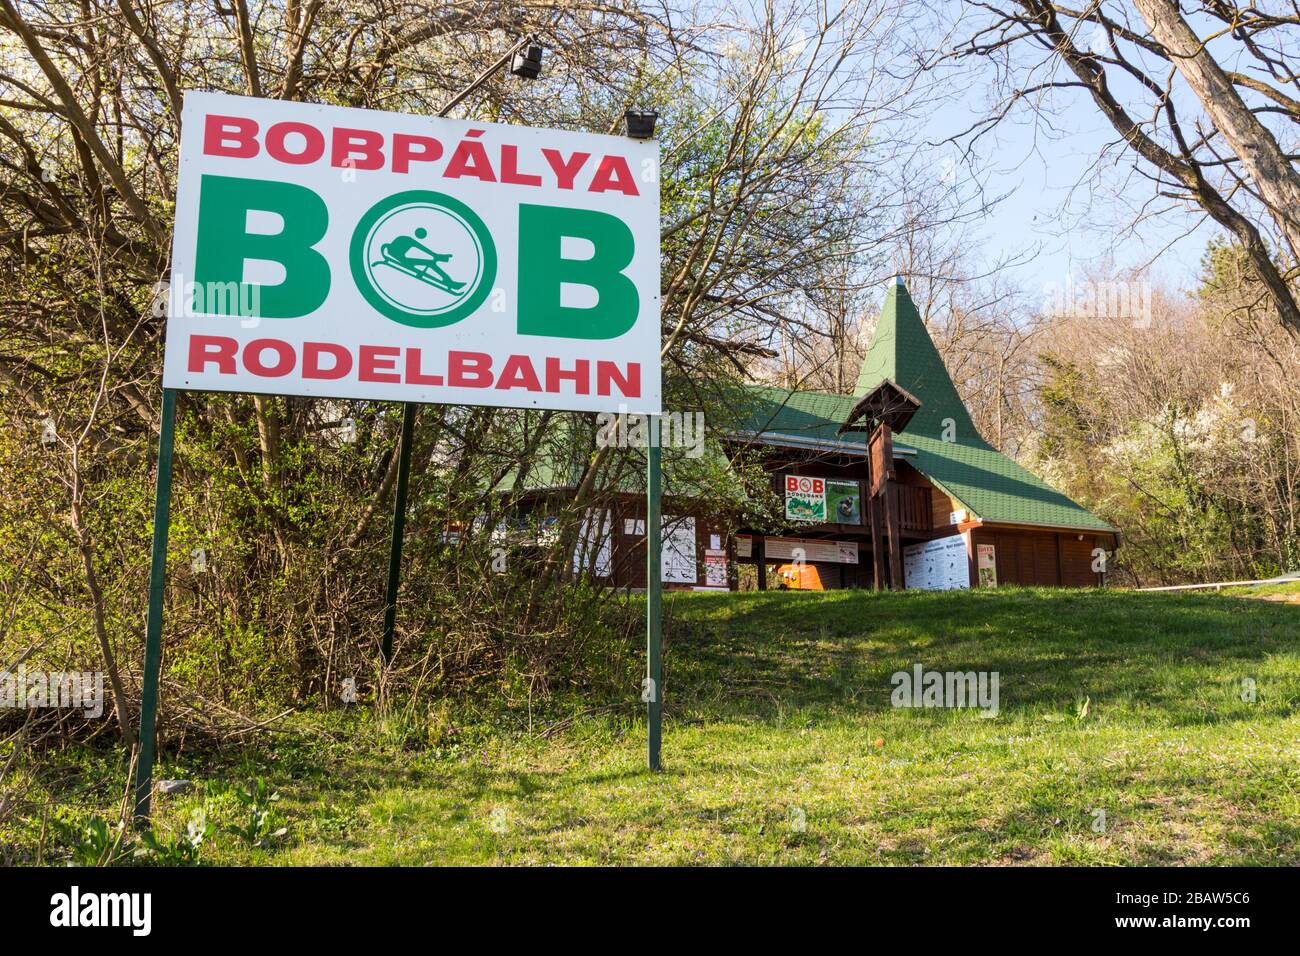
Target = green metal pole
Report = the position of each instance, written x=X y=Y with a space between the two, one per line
x=654 y=594
x=154 y=622
x=399 y=530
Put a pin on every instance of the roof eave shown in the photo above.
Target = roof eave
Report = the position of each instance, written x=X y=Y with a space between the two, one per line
x=1052 y=526
x=781 y=440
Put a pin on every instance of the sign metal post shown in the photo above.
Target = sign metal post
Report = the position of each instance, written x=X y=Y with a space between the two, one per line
x=153 y=625
x=399 y=529
x=654 y=593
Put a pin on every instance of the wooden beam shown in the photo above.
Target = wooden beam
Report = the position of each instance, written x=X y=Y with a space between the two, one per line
x=892 y=531
x=872 y=515
x=760 y=558
x=877 y=539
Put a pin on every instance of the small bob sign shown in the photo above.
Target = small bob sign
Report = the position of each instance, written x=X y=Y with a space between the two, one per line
x=348 y=253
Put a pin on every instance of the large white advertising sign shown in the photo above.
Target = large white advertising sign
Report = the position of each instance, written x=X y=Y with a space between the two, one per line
x=800 y=549
x=338 y=252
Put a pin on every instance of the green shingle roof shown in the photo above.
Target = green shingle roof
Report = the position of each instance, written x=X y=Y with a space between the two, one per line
x=902 y=350
x=988 y=483
x=994 y=487
x=781 y=413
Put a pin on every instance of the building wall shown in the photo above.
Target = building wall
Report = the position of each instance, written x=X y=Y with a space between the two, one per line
x=1076 y=560
x=629 y=553
x=1041 y=558
x=1025 y=556
x=942 y=507
x=779 y=462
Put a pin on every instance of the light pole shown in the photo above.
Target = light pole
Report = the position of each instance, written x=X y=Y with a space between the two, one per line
x=525 y=59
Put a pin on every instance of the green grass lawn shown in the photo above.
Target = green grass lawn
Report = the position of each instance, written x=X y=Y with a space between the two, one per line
x=781 y=747
x=1286 y=588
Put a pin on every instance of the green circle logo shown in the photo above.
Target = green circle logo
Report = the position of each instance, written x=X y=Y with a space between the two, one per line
x=423 y=259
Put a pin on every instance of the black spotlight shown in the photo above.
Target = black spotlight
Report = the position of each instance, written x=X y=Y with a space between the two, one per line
x=641 y=123
x=527 y=62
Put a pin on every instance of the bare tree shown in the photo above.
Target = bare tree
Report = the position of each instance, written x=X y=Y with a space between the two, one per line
x=1221 y=152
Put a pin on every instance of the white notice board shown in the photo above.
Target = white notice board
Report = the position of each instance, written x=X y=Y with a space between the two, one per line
x=677 y=555
x=938 y=565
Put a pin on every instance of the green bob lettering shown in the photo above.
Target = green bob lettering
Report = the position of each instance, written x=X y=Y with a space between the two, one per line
x=224 y=243
x=542 y=270
x=420 y=258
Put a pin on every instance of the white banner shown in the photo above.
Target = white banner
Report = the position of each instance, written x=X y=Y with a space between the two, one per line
x=328 y=251
x=810 y=549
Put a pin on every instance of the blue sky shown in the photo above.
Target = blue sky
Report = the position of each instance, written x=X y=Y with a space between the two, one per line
x=1066 y=209
x=1052 y=215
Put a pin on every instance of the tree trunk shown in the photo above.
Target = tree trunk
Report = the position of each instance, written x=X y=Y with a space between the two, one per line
x=1254 y=144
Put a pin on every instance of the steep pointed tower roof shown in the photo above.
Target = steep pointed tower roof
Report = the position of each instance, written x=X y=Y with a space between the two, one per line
x=902 y=351
x=948 y=448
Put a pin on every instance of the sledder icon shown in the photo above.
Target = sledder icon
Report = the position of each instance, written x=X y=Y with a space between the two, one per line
x=409 y=255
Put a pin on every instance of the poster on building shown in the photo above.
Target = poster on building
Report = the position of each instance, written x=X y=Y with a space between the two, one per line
x=548 y=530
x=715 y=568
x=336 y=252
x=594 y=550
x=844 y=502
x=987 y=563
x=805 y=498
x=677 y=557
x=938 y=565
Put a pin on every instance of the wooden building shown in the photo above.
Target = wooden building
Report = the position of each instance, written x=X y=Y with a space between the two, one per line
x=936 y=506
x=890 y=487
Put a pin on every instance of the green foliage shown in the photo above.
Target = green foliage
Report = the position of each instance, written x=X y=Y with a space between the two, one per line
x=1162 y=481
x=259 y=826
x=1183 y=436
x=1082 y=706
x=94 y=842
x=182 y=850
x=1066 y=427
